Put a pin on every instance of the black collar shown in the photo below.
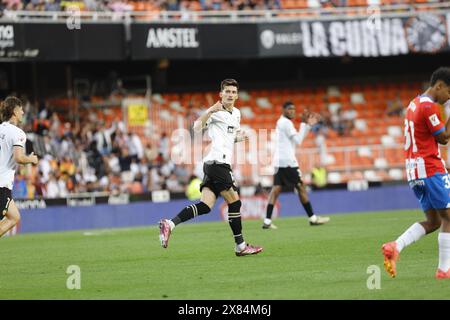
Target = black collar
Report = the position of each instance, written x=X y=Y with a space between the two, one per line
x=230 y=112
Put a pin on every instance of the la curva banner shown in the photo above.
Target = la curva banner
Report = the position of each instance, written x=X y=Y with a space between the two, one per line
x=424 y=33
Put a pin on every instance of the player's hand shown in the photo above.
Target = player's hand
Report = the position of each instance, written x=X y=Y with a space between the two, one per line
x=216 y=107
x=313 y=118
x=305 y=115
x=33 y=158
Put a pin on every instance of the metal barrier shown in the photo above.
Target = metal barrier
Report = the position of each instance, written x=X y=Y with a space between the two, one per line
x=321 y=14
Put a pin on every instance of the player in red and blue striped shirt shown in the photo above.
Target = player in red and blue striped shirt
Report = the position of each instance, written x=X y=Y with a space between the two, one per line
x=426 y=172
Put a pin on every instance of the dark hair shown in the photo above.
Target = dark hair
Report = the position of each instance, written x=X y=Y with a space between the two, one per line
x=229 y=82
x=443 y=74
x=7 y=107
x=287 y=104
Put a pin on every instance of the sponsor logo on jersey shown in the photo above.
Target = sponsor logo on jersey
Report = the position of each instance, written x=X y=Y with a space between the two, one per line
x=434 y=120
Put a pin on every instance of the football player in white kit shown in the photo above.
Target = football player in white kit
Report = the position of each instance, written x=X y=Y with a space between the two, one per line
x=287 y=172
x=222 y=121
x=12 y=152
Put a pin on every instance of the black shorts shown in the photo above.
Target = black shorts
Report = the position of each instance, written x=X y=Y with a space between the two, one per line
x=5 y=199
x=287 y=177
x=218 y=177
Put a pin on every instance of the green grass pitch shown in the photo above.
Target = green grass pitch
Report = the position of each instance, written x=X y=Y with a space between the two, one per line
x=298 y=262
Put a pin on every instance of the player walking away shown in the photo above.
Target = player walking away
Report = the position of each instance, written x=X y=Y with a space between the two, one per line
x=426 y=173
x=223 y=123
x=12 y=145
x=287 y=172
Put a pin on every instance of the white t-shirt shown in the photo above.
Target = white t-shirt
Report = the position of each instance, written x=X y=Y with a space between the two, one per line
x=222 y=129
x=10 y=136
x=286 y=140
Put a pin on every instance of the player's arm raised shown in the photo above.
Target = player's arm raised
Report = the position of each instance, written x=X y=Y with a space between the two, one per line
x=200 y=123
x=21 y=158
x=308 y=120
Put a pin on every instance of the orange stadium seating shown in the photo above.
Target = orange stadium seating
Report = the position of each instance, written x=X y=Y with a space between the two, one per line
x=372 y=149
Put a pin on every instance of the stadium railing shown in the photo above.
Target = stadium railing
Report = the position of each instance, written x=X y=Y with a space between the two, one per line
x=227 y=16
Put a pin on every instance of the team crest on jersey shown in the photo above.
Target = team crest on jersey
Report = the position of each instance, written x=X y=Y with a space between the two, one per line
x=412 y=106
x=230 y=129
x=434 y=120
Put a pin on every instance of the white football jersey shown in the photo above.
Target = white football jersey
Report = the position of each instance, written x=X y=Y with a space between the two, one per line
x=286 y=140
x=222 y=127
x=10 y=136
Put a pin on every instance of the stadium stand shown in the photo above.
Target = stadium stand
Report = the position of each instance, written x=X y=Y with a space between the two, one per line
x=196 y=5
x=358 y=138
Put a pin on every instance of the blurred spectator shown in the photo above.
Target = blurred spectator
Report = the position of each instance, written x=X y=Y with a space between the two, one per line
x=164 y=146
x=135 y=145
x=193 y=188
x=338 y=122
x=103 y=138
x=62 y=185
x=125 y=160
x=49 y=146
x=118 y=90
x=112 y=163
x=319 y=177
x=136 y=186
x=348 y=119
x=95 y=160
x=67 y=166
x=185 y=6
x=52 y=5
x=182 y=173
x=20 y=187
x=171 y=5
x=395 y=107
x=173 y=184
x=151 y=153
x=45 y=168
x=93 y=5
x=52 y=187
x=39 y=185
x=155 y=180
x=167 y=168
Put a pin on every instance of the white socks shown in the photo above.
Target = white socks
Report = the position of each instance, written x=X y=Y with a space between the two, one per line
x=267 y=221
x=444 y=251
x=313 y=218
x=171 y=224
x=414 y=233
x=240 y=247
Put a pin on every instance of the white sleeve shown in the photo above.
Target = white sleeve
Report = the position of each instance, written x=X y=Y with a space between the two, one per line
x=19 y=138
x=210 y=120
x=301 y=134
